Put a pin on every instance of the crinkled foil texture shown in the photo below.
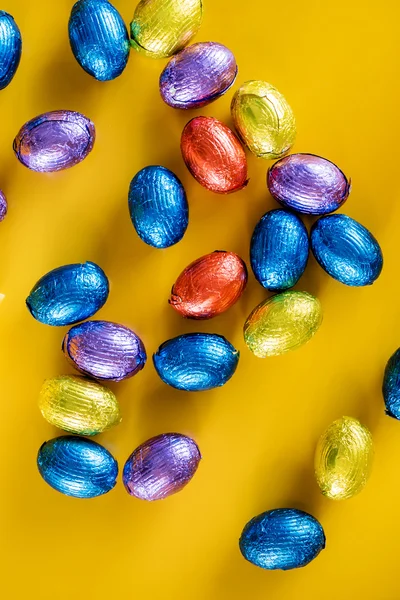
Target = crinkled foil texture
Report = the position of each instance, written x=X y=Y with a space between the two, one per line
x=198 y=75
x=209 y=285
x=391 y=386
x=281 y=323
x=343 y=459
x=160 y=28
x=77 y=467
x=214 y=155
x=308 y=184
x=279 y=250
x=104 y=350
x=68 y=294
x=263 y=119
x=3 y=206
x=284 y=538
x=346 y=250
x=158 y=207
x=54 y=141
x=10 y=48
x=99 y=39
x=196 y=361
x=161 y=466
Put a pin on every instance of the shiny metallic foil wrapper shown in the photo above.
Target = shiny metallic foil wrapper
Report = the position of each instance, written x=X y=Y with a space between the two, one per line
x=214 y=155
x=209 y=285
x=160 y=28
x=279 y=250
x=263 y=119
x=160 y=467
x=308 y=184
x=3 y=206
x=346 y=250
x=68 y=294
x=196 y=362
x=343 y=459
x=391 y=386
x=158 y=207
x=104 y=350
x=99 y=39
x=284 y=538
x=78 y=405
x=77 y=467
x=10 y=48
x=281 y=323
x=54 y=141
x=198 y=75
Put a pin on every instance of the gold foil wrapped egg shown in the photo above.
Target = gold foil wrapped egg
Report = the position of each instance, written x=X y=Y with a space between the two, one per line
x=343 y=458
x=263 y=119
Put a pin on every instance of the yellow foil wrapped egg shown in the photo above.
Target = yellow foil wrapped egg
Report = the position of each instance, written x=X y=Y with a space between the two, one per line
x=343 y=458
x=263 y=119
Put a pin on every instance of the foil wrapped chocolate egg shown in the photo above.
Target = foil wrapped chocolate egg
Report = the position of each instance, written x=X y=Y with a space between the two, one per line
x=77 y=467
x=391 y=386
x=214 y=155
x=3 y=206
x=54 y=141
x=279 y=250
x=104 y=350
x=158 y=207
x=198 y=75
x=99 y=39
x=281 y=323
x=346 y=250
x=209 y=285
x=263 y=119
x=68 y=294
x=343 y=459
x=10 y=48
x=160 y=28
x=284 y=538
x=308 y=184
x=160 y=467
x=196 y=362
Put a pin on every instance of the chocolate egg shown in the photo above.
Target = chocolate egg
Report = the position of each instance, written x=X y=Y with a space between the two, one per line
x=281 y=323
x=54 y=141
x=343 y=458
x=263 y=119
x=391 y=386
x=10 y=48
x=68 y=294
x=195 y=362
x=161 y=466
x=209 y=285
x=279 y=250
x=158 y=207
x=77 y=467
x=160 y=28
x=284 y=538
x=99 y=39
x=3 y=206
x=346 y=250
x=104 y=350
x=198 y=75
x=308 y=184
x=214 y=155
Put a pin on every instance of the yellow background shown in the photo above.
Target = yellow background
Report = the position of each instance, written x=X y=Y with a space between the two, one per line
x=336 y=63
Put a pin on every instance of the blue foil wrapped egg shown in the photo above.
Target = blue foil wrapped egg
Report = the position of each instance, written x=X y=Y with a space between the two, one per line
x=10 y=48
x=68 y=294
x=77 y=467
x=196 y=361
x=346 y=250
x=391 y=386
x=158 y=207
x=284 y=538
x=99 y=39
x=279 y=250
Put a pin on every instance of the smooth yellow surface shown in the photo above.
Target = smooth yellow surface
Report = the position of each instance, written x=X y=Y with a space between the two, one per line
x=336 y=63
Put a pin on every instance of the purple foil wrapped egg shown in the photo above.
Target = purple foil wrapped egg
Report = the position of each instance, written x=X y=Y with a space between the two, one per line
x=161 y=466
x=54 y=141
x=3 y=206
x=104 y=350
x=198 y=75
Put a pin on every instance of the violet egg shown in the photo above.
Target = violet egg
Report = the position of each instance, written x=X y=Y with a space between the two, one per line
x=3 y=206
x=10 y=48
